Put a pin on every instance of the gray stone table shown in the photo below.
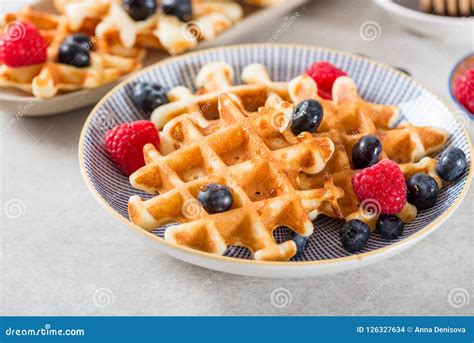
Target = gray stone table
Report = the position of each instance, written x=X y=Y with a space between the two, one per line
x=65 y=255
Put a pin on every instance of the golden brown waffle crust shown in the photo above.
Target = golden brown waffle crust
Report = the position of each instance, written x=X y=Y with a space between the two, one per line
x=215 y=80
x=262 y=178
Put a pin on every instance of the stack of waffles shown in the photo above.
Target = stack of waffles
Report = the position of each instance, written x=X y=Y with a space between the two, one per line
x=119 y=42
x=240 y=136
x=456 y=8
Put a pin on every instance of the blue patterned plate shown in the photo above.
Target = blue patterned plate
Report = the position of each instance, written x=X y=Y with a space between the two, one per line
x=376 y=83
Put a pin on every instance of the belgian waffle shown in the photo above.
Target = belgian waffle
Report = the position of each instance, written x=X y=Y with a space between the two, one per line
x=238 y=149
x=345 y=121
x=45 y=80
x=83 y=15
x=118 y=33
x=348 y=118
x=212 y=80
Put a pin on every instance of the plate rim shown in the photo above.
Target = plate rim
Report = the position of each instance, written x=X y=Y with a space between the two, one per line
x=370 y=255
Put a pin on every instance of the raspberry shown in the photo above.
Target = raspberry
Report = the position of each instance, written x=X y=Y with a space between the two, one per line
x=125 y=142
x=22 y=45
x=383 y=184
x=324 y=73
x=464 y=89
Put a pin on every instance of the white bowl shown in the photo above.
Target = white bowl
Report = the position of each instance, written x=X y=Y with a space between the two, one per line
x=324 y=253
x=450 y=29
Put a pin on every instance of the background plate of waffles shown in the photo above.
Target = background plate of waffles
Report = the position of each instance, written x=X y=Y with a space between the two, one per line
x=213 y=120
x=118 y=45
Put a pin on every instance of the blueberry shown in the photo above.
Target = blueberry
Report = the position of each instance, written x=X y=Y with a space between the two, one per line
x=306 y=117
x=79 y=39
x=451 y=164
x=389 y=226
x=300 y=242
x=74 y=55
x=181 y=9
x=215 y=198
x=354 y=235
x=149 y=95
x=140 y=9
x=366 y=152
x=422 y=191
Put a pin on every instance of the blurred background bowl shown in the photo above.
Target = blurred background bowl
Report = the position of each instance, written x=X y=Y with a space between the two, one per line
x=464 y=64
x=449 y=29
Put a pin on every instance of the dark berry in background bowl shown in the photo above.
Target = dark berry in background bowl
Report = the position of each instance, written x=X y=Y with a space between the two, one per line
x=74 y=55
x=140 y=9
x=181 y=9
x=81 y=39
